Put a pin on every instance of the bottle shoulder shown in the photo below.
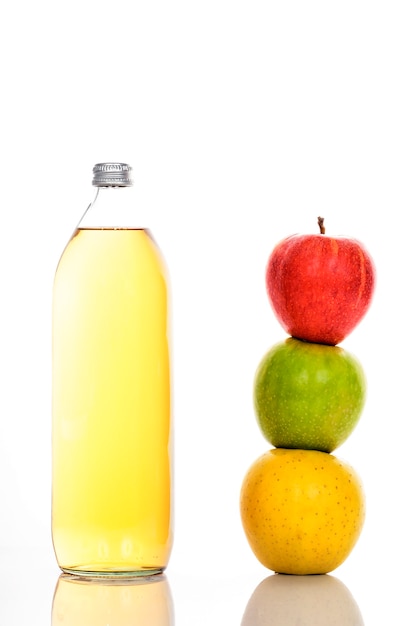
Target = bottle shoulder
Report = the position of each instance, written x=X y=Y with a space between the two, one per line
x=111 y=249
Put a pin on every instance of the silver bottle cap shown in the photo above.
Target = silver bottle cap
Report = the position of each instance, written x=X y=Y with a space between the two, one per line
x=112 y=175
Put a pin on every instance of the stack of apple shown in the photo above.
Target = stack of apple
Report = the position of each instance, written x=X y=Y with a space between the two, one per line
x=302 y=508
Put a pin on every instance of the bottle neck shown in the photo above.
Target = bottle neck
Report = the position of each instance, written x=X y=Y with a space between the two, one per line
x=112 y=207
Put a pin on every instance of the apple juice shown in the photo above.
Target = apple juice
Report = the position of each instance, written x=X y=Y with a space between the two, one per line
x=111 y=495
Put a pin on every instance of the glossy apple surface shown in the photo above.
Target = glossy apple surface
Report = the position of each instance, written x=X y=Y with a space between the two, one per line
x=302 y=511
x=308 y=395
x=320 y=287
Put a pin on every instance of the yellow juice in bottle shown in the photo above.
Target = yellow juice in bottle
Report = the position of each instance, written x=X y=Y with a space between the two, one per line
x=111 y=487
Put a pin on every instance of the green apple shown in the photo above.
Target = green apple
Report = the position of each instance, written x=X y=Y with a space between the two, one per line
x=308 y=395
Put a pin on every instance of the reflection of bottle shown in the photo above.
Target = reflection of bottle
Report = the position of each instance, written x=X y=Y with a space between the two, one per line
x=140 y=602
x=111 y=500
x=321 y=600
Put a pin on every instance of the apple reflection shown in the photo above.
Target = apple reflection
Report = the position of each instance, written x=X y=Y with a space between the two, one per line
x=320 y=600
x=109 y=602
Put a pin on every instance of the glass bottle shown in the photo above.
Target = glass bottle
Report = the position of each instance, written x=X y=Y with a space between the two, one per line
x=111 y=391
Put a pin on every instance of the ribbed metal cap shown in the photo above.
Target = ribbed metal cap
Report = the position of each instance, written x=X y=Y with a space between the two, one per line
x=112 y=175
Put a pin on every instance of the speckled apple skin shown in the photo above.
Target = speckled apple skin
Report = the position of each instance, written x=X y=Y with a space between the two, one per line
x=308 y=395
x=302 y=511
x=320 y=287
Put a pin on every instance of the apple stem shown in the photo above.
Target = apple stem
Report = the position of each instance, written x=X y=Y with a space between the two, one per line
x=320 y=221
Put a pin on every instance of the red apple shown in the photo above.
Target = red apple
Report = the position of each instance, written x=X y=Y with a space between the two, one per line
x=320 y=287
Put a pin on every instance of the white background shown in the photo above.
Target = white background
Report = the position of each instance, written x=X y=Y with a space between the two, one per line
x=243 y=122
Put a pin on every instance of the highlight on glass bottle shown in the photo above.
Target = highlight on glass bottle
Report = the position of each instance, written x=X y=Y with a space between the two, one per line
x=111 y=391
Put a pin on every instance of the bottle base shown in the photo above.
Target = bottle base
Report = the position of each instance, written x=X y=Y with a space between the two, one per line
x=112 y=574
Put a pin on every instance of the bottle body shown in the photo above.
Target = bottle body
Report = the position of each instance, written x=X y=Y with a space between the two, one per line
x=111 y=474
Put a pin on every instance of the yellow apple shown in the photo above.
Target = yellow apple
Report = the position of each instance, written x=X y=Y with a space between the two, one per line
x=302 y=510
